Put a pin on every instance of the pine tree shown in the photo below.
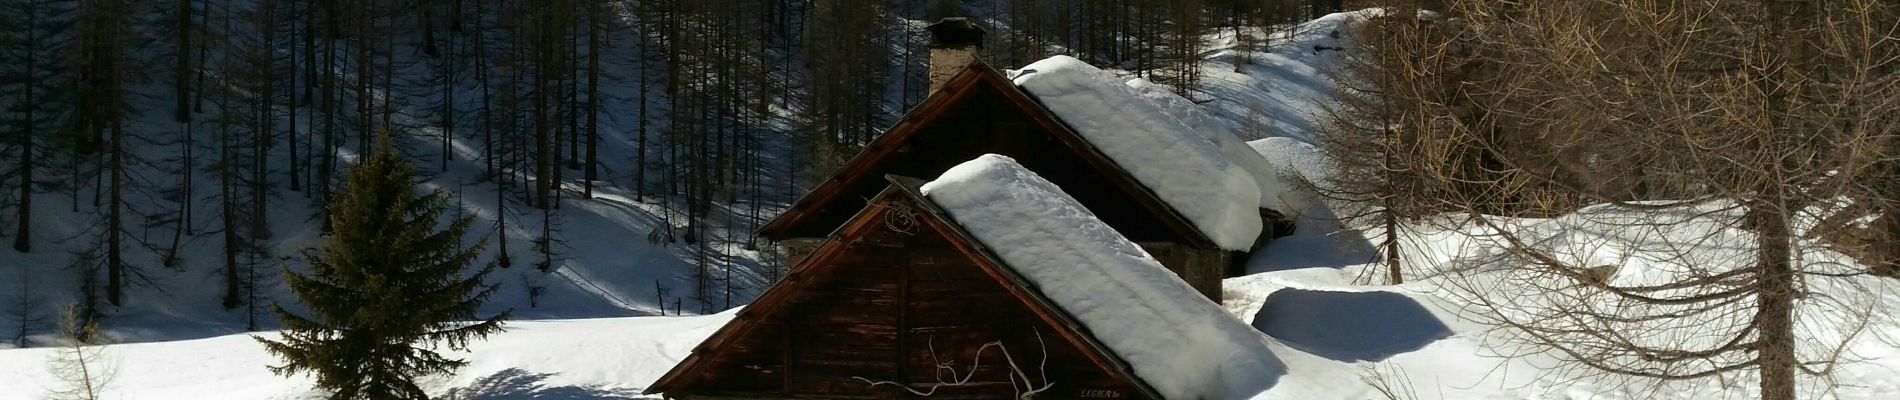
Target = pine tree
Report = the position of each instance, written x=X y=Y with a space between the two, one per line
x=385 y=287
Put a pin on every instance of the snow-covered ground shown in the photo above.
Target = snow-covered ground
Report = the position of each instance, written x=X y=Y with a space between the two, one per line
x=1336 y=338
x=561 y=359
x=603 y=265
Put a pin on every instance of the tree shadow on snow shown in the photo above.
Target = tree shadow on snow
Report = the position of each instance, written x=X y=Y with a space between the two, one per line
x=1348 y=326
x=517 y=384
x=1320 y=240
x=1329 y=246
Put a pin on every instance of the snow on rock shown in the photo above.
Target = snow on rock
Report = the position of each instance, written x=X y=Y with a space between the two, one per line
x=1194 y=176
x=1209 y=128
x=1185 y=347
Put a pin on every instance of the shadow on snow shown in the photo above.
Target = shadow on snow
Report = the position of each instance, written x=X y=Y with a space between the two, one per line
x=1349 y=326
x=517 y=384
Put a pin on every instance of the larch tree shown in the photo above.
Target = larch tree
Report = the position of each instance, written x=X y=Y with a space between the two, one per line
x=1364 y=130
x=1709 y=133
x=33 y=74
x=83 y=365
x=102 y=63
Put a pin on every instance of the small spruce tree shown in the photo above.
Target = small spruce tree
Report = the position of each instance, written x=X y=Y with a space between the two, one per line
x=386 y=287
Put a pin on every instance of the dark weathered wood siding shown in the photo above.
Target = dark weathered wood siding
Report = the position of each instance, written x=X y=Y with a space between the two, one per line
x=896 y=302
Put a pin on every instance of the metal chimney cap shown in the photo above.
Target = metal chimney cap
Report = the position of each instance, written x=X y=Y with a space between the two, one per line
x=955 y=32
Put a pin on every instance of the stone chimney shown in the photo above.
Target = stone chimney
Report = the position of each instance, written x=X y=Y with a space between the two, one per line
x=954 y=43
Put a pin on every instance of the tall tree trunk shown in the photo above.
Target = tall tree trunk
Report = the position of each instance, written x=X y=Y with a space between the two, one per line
x=501 y=223
x=1775 y=317
x=227 y=181
x=264 y=135
x=332 y=97
x=389 y=85
x=1888 y=250
x=481 y=77
x=292 y=101
x=109 y=63
x=593 y=95
x=227 y=203
x=181 y=74
x=1388 y=167
x=204 y=58
x=115 y=225
x=23 y=236
x=427 y=20
x=543 y=153
x=365 y=104
x=572 y=105
x=640 y=135
x=448 y=103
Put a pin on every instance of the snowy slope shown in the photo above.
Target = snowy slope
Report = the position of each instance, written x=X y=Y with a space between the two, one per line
x=1282 y=91
x=603 y=265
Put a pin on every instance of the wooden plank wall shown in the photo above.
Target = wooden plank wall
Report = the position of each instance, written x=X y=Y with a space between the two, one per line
x=898 y=306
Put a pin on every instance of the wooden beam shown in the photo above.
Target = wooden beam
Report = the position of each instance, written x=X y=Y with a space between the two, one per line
x=903 y=320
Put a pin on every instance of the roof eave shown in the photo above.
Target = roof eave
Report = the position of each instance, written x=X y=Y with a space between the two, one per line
x=778 y=227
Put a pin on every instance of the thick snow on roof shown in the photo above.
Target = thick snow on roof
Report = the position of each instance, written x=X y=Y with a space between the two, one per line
x=1272 y=187
x=1290 y=161
x=1292 y=155
x=1181 y=344
x=1191 y=174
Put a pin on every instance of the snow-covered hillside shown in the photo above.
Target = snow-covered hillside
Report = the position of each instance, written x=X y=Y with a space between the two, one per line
x=606 y=257
x=1335 y=338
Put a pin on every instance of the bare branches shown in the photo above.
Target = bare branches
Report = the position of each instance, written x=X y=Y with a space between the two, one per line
x=1673 y=159
x=947 y=376
x=82 y=365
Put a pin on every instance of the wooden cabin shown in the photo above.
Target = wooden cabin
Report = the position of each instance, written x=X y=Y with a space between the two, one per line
x=973 y=110
x=899 y=290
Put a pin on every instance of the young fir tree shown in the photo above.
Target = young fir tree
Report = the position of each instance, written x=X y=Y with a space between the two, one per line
x=386 y=286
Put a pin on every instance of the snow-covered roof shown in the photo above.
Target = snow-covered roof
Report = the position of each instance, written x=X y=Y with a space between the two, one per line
x=1180 y=344
x=1273 y=187
x=1192 y=174
x=1289 y=155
